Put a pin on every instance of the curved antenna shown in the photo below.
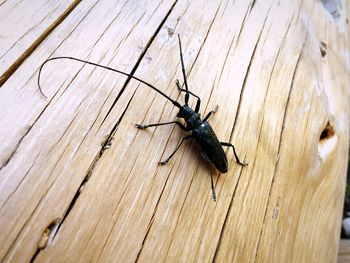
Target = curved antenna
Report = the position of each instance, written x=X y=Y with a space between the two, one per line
x=187 y=96
x=108 y=68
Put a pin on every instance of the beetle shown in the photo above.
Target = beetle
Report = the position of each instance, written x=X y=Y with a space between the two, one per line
x=197 y=128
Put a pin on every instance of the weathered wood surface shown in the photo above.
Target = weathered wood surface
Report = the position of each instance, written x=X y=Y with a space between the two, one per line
x=24 y=24
x=282 y=102
x=344 y=251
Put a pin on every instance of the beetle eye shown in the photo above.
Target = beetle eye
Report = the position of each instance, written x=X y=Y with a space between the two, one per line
x=179 y=114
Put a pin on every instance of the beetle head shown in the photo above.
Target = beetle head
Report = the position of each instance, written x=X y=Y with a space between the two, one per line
x=185 y=112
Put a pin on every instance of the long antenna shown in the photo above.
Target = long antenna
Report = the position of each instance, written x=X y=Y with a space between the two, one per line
x=187 y=96
x=108 y=68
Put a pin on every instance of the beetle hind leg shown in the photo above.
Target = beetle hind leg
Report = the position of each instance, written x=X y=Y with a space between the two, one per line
x=212 y=184
x=234 y=152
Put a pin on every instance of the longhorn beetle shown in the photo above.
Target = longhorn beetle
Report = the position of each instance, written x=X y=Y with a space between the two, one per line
x=198 y=129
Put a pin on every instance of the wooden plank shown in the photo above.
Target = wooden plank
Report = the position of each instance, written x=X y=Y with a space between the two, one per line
x=24 y=25
x=38 y=170
x=63 y=197
x=131 y=181
x=344 y=251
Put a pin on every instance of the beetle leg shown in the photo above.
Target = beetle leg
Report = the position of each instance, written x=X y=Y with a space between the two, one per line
x=144 y=126
x=198 y=104
x=234 y=151
x=171 y=155
x=210 y=113
x=212 y=184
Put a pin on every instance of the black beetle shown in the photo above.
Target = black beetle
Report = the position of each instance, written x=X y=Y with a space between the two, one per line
x=200 y=130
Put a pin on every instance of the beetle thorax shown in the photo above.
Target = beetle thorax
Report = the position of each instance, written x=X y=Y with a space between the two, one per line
x=191 y=117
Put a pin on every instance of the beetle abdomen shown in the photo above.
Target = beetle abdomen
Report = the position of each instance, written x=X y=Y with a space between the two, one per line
x=210 y=146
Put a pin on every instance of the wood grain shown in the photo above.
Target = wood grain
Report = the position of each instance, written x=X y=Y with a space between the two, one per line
x=66 y=197
x=344 y=251
x=24 y=25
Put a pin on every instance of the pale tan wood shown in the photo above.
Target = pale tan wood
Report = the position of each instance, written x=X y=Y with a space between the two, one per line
x=24 y=24
x=38 y=176
x=344 y=251
x=63 y=199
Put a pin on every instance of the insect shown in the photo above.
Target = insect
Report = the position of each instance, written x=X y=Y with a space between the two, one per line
x=195 y=127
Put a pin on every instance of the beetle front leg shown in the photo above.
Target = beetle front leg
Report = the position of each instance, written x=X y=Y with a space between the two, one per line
x=144 y=126
x=234 y=152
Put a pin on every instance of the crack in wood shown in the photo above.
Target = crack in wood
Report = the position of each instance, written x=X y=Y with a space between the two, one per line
x=280 y=143
x=163 y=110
x=252 y=4
x=268 y=87
x=15 y=65
x=19 y=184
x=12 y=154
x=246 y=76
x=15 y=240
x=78 y=192
x=226 y=218
x=138 y=63
x=178 y=218
x=149 y=227
x=55 y=49
x=191 y=68
x=46 y=237
x=290 y=91
x=189 y=71
x=227 y=54
x=234 y=124
x=242 y=25
x=150 y=223
x=20 y=38
x=156 y=197
x=103 y=147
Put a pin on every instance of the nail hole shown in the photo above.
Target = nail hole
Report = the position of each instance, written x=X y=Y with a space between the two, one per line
x=328 y=140
x=170 y=31
x=49 y=233
x=327 y=132
x=323 y=49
